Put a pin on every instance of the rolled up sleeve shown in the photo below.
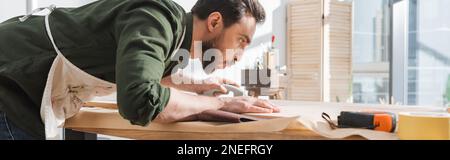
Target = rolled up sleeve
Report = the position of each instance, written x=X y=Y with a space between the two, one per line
x=144 y=37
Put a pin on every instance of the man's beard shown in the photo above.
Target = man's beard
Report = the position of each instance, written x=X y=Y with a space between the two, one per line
x=206 y=45
x=214 y=57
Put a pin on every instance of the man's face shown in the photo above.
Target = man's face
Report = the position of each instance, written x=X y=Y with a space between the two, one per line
x=230 y=41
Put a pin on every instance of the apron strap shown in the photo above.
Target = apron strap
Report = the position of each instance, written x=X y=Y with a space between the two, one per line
x=51 y=8
x=24 y=18
x=50 y=36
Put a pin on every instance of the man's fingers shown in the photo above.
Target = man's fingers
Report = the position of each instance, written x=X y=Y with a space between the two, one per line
x=217 y=94
x=257 y=109
x=262 y=103
x=266 y=104
x=231 y=82
x=223 y=89
x=220 y=89
x=276 y=109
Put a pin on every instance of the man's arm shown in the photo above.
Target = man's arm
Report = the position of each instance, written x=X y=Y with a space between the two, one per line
x=144 y=36
x=182 y=105
x=200 y=86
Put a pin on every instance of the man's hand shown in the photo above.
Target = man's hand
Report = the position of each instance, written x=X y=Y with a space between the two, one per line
x=214 y=83
x=247 y=105
x=182 y=105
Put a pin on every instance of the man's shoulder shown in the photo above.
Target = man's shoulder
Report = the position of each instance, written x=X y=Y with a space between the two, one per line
x=168 y=7
x=164 y=3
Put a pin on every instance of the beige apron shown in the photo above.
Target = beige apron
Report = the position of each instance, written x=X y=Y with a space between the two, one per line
x=68 y=87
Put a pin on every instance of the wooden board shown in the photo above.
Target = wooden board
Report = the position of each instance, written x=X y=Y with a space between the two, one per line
x=145 y=135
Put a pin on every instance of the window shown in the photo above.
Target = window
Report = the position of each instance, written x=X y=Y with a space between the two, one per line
x=428 y=57
x=371 y=40
x=424 y=78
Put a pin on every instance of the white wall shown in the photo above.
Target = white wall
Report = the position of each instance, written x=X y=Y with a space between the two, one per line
x=11 y=8
x=66 y=3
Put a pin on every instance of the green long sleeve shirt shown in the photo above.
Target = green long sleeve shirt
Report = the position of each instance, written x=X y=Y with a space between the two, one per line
x=127 y=42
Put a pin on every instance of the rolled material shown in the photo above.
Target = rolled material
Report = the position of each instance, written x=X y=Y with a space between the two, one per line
x=423 y=126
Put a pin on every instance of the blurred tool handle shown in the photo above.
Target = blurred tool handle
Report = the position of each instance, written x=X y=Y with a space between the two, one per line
x=230 y=88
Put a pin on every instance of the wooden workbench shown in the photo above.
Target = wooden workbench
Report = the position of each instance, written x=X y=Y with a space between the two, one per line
x=309 y=108
x=90 y=134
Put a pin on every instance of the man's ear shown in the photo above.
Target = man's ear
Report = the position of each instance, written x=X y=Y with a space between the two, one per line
x=215 y=22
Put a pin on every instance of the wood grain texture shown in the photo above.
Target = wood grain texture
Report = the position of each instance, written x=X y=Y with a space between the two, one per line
x=152 y=135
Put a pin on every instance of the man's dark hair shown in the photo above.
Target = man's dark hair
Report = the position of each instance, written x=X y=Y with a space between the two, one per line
x=232 y=10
